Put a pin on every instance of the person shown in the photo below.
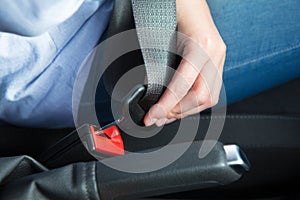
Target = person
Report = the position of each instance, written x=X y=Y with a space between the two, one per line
x=255 y=46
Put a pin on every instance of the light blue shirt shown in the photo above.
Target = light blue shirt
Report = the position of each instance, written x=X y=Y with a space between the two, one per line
x=37 y=73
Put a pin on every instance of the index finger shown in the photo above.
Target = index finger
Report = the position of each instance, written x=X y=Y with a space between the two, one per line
x=181 y=83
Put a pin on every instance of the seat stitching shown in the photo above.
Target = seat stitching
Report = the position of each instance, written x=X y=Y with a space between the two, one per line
x=246 y=117
x=93 y=175
x=84 y=176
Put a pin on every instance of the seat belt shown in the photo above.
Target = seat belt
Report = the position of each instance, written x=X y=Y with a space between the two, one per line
x=156 y=24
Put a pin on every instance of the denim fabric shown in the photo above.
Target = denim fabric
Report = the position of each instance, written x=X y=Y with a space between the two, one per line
x=263 y=43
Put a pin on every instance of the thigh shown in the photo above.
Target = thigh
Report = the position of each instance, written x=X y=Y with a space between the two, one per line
x=263 y=42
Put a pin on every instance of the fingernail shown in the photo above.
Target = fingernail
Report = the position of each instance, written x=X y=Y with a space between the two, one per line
x=161 y=122
x=150 y=121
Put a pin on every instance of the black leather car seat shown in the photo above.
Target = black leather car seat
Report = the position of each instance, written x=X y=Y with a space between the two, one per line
x=266 y=127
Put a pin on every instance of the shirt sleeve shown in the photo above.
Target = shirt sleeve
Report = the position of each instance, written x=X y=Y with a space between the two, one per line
x=34 y=17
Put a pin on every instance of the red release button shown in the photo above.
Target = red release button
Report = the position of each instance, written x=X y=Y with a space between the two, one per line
x=108 y=141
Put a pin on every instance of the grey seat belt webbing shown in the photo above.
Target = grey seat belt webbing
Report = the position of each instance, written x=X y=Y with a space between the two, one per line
x=156 y=23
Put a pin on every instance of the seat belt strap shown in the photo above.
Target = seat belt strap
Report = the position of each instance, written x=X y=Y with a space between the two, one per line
x=156 y=23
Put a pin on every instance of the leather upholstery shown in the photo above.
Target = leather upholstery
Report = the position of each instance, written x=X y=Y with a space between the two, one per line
x=266 y=127
x=24 y=178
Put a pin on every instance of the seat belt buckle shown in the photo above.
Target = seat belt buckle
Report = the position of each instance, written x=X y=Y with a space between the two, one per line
x=104 y=142
x=132 y=112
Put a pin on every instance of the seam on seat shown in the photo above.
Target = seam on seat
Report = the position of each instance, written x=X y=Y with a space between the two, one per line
x=263 y=57
x=93 y=175
x=247 y=117
x=268 y=146
x=84 y=177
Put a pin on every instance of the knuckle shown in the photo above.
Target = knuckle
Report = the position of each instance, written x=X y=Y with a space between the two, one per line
x=203 y=98
x=203 y=40
x=209 y=102
x=214 y=101
x=207 y=43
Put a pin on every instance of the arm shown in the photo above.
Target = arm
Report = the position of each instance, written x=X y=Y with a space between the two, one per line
x=197 y=83
x=33 y=17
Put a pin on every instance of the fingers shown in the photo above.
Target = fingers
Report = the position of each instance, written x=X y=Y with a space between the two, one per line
x=204 y=94
x=155 y=115
x=201 y=93
x=214 y=101
x=194 y=60
x=180 y=85
x=196 y=84
x=214 y=96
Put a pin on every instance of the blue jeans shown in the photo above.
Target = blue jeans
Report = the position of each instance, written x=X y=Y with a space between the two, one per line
x=263 y=43
x=263 y=46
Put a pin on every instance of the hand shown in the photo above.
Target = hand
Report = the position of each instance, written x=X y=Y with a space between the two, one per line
x=197 y=82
